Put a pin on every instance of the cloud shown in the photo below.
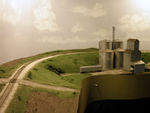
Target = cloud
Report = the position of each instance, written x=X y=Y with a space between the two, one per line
x=135 y=23
x=12 y=17
x=52 y=39
x=44 y=17
x=102 y=33
x=60 y=40
x=77 y=28
x=9 y=13
x=95 y=12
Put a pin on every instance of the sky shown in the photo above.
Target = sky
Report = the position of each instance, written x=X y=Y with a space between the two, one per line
x=29 y=27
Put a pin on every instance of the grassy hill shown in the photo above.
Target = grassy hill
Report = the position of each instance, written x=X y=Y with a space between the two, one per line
x=7 y=69
x=55 y=71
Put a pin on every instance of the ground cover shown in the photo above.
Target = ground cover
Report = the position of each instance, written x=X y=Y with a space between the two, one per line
x=7 y=69
x=67 y=64
x=22 y=97
x=146 y=57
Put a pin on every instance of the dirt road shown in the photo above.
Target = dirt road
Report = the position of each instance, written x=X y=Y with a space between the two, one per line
x=34 y=84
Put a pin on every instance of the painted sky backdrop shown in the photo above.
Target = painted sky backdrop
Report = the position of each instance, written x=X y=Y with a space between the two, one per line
x=29 y=27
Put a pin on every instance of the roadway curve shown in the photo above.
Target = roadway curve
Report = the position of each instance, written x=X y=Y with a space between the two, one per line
x=11 y=87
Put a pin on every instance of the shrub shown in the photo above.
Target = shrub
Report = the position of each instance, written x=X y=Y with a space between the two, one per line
x=30 y=75
x=58 y=71
x=19 y=98
x=50 y=60
x=74 y=93
x=3 y=71
x=35 y=69
x=75 y=61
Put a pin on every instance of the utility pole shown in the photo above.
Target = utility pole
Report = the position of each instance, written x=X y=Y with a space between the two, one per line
x=113 y=33
x=113 y=36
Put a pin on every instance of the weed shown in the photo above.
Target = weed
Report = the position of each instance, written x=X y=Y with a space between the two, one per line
x=30 y=75
x=74 y=93
x=35 y=69
x=75 y=61
x=58 y=71
x=50 y=60
x=3 y=71
x=19 y=98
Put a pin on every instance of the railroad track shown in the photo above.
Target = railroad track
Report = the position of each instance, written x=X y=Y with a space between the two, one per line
x=10 y=86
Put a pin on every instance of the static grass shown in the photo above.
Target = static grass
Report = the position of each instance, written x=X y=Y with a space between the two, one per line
x=72 y=63
x=18 y=104
x=7 y=71
x=50 y=78
x=46 y=77
x=76 y=79
x=146 y=57
x=67 y=63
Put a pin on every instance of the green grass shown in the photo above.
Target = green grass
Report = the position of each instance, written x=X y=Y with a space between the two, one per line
x=69 y=64
x=72 y=63
x=76 y=78
x=18 y=104
x=47 y=77
x=146 y=57
x=7 y=71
